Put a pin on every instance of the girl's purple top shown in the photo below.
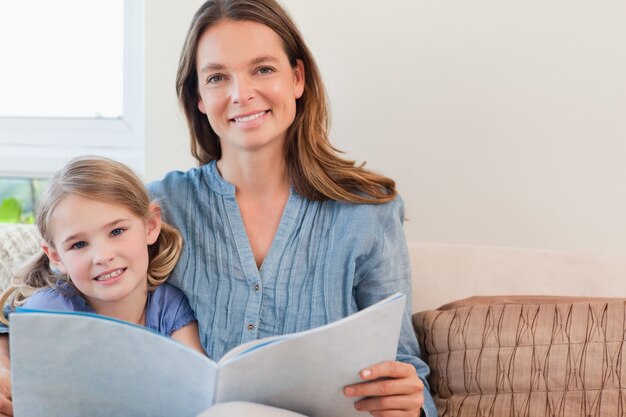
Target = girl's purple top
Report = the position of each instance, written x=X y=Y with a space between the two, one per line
x=167 y=308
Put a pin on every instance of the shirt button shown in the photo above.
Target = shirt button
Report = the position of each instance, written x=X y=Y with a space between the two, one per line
x=257 y=287
x=250 y=326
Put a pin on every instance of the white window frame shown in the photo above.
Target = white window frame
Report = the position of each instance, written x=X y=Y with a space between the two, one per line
x=37 y=147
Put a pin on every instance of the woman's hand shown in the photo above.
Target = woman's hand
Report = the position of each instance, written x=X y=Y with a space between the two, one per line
x=393 y=390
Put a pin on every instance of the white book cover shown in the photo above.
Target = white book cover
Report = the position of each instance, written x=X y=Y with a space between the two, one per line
x=80 y=364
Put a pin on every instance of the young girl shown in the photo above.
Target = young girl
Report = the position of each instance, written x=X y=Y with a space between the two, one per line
x=105 y=251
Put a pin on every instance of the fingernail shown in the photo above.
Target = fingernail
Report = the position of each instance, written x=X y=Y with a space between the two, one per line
x=349 y=391
x=358 y=405
x=366 y=373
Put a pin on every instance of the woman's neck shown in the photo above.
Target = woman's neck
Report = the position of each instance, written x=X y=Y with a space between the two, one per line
x=255 y=174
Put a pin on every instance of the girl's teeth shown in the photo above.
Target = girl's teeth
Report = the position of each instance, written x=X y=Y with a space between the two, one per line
x=110 y=275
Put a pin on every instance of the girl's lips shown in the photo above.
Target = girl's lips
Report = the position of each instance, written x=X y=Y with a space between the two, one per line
x=110 y=277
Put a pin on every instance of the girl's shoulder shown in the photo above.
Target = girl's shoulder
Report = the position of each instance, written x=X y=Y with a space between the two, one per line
x=168 y=309
x=56 y=300
x=167 y=294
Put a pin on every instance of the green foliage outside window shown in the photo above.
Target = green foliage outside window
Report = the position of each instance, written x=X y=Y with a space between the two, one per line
x=18 y=198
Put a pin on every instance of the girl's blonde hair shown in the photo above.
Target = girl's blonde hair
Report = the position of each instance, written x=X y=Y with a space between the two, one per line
x=316 y=170
x=101 y=179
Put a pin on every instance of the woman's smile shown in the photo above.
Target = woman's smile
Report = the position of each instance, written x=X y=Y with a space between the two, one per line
x=244 y=120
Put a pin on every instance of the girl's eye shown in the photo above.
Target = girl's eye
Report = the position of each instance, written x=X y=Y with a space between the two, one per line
x=79 y=245
x=117 y=232
x=213 y=79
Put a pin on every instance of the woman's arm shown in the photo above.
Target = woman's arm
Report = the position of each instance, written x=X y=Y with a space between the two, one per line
x=6 y=404
x=396 y=388
x=188 y=336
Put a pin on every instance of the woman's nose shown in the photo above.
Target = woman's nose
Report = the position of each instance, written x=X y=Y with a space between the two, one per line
x=242 y=90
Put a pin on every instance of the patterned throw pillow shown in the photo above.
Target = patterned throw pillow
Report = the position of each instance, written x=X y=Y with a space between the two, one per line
x=526 y=356
x=17 y=243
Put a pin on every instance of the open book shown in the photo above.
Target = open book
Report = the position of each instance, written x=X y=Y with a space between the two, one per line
x=77 y=364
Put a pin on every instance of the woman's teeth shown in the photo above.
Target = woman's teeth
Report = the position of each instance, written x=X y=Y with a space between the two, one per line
x=249 y=118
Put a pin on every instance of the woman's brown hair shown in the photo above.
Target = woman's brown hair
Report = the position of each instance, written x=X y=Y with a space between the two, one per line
x=314 y=167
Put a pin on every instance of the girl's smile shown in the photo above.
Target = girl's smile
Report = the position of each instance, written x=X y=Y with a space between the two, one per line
x=110 y=277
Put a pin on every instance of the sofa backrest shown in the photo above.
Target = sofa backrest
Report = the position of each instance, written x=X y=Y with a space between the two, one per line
x=444 y=273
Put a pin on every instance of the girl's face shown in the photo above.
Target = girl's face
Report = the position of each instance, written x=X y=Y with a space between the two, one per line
x=103 y=248
x=247 y=88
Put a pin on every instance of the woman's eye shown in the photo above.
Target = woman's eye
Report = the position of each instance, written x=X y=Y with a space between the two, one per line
x=117 y=232
x=213 y=79
x=265 y=70
x=78 y=245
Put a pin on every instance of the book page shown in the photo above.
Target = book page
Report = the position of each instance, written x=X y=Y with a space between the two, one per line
x=71 y=364
x=306 y=372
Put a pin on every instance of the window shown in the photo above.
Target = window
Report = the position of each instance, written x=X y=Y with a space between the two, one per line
x=71 y=83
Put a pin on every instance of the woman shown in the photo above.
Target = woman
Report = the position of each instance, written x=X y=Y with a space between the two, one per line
x=282 y=234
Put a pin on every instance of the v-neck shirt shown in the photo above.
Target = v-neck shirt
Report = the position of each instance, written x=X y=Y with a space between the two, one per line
x=328 y=259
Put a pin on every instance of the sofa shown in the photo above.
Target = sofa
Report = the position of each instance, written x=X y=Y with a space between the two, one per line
x=506 y=331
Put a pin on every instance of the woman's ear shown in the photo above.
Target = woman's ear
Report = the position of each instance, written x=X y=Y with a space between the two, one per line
x=53 y=256
x=201 y=105
x=153 y=223
x=298 y=79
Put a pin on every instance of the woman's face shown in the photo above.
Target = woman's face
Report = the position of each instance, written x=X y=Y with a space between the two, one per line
x=247 y=87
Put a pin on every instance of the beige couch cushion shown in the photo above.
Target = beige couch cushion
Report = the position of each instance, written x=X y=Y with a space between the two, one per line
x=17 y=243
x=526 y=356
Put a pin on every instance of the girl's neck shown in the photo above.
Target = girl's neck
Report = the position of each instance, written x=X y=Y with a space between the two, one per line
x=130 y=310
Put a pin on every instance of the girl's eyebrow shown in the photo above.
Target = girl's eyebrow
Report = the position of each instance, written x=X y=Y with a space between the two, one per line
x=106 y=226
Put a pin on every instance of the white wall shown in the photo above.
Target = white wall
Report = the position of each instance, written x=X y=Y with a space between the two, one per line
x=504 y=123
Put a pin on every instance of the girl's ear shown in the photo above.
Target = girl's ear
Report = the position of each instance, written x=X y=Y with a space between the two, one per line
x=53 y=256
x=153 y=223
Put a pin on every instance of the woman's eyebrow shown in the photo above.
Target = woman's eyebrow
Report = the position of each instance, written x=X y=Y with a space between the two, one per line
x=262 y=59
x=214 y=66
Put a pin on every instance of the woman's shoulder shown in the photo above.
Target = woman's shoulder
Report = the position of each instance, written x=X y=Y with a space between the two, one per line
x=174 y=180
x=382 y=212
x=55 y=300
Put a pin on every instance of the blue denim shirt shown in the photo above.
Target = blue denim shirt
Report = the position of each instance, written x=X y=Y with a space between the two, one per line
x=327 y=260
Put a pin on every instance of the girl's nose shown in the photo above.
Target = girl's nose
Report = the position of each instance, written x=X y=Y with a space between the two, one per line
x=103 y=255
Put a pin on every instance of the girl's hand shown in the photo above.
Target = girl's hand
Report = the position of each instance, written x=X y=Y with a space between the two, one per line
x=400 y=393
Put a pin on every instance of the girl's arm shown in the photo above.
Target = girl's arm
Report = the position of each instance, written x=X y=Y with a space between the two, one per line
x=188 y=336
x=6 y=404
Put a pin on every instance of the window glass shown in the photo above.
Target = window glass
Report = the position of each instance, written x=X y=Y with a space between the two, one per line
x=62 y=58
x=18 y=197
